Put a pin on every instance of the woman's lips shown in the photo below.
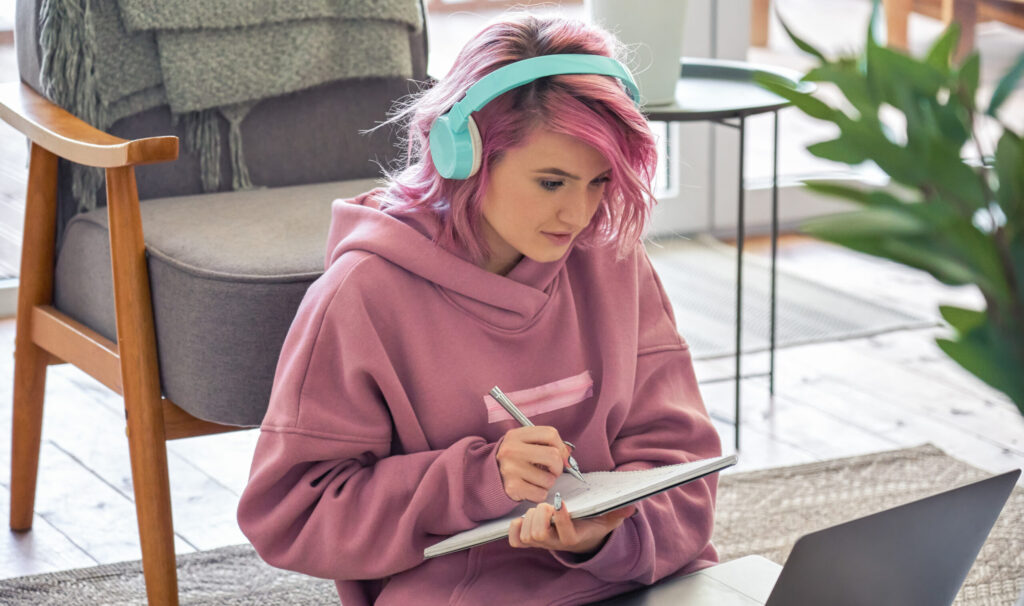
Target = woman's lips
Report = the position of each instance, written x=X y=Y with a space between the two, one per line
x=559 y=239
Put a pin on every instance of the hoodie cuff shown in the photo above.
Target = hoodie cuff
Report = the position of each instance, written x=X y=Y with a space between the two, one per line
x=615 y=559
x=485 y=492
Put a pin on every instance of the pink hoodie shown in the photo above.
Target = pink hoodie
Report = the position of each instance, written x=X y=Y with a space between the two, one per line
x=379 y=440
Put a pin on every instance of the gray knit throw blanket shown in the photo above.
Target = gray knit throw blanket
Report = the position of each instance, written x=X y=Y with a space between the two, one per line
x=103 y=60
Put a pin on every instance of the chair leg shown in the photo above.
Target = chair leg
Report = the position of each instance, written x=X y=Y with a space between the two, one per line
x=760 y=21
x=140 y=379
x=897 y=14
x=35 y=288
x=964 y=12
x=26 y=431
x=152 y=507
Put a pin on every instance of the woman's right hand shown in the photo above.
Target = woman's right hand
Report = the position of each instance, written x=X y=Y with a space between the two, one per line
x=530 y=459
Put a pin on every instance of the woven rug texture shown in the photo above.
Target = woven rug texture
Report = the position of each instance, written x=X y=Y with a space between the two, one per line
x=765 y=512
x=759 y=512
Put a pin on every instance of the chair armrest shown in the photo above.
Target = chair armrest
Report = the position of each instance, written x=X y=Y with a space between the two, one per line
x=60 y=132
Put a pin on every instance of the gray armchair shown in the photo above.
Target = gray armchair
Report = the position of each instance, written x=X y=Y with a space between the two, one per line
x=176 y=298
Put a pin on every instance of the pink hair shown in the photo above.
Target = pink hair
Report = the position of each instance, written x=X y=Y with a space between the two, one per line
x=592 y=108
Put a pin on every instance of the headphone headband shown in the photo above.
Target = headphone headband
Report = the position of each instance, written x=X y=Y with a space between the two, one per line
x=455 y=145
x=522 y=72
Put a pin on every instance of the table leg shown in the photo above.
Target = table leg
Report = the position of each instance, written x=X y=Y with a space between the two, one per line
x=740 y=229
x=775 y=248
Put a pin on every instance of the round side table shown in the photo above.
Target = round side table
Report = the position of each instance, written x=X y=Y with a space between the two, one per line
x=724 y=92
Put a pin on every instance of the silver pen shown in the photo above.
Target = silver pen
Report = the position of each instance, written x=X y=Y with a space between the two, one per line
x=573 y=469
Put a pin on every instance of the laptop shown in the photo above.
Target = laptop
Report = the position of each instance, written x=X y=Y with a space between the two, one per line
x=918 y=553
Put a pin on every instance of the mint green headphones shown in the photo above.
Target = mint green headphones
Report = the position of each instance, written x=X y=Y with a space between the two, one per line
x=455 y=145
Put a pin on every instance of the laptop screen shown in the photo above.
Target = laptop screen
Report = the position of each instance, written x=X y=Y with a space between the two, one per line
x=918 y=553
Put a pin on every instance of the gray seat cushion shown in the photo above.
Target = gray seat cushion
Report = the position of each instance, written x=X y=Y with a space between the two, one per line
x=227 y=273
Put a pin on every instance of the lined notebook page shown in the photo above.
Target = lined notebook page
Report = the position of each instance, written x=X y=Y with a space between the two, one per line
x=602 y=492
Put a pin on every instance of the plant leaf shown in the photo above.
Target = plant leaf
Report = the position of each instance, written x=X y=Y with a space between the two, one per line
x=954 y=121
x=850 y=81
x=1009 y=169
x=979 y=251
x=801 y=44
x=896 y=234
x=894 y=69
x=968 y=77
x=873 y=22
x=941 y=53
x=963 y=320
x=1017 y=262
x=951 y=177
x=992 y=356
x=867 y=136
x=866 y=197
x=924 y=253
x=1006 y=85
x=838 y=151
x=809 y=104
x=868 y=223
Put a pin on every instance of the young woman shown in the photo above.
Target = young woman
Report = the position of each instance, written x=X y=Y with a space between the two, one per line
x=527 y=273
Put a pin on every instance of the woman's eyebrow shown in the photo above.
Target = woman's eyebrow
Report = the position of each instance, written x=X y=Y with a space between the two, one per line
x=557 y=171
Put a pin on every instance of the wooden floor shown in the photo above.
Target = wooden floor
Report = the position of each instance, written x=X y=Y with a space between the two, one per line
x=833 y=399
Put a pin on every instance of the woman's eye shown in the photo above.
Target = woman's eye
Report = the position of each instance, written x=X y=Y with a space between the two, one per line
x=601 y=180
x=550 y=185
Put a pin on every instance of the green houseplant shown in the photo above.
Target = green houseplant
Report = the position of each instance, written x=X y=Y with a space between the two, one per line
x=963 y=223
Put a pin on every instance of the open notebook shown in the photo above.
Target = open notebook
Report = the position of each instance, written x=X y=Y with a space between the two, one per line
x=603 y=492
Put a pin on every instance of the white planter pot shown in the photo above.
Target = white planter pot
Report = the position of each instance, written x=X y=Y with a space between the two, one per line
x=653 y=31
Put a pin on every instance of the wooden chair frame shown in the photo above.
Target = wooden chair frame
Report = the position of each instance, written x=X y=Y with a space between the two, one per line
x=46 y=336
x=897 y=13
x=965 y=12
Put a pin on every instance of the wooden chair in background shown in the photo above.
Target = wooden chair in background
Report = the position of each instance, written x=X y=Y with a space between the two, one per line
x=185 y=320
x=897 y=12
x=965 y=12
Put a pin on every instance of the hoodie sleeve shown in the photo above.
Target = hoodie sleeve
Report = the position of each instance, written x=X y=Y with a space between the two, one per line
x=667 y=424
x=326 y=496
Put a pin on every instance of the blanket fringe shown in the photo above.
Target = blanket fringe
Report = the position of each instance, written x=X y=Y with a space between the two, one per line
x=202 y=137
x=66 y=71
x=102 y=64
x=66 y=74
x=239 y=170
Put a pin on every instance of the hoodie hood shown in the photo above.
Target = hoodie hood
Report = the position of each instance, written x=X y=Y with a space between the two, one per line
x=510 y=302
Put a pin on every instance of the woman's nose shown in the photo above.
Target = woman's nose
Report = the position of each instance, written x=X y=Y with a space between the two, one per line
x=575 y=211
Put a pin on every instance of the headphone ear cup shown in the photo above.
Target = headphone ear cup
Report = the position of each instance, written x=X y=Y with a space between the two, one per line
x=478 y=146
x=454 y=154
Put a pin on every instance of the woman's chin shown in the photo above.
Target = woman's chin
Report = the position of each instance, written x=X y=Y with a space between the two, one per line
x=549 y=254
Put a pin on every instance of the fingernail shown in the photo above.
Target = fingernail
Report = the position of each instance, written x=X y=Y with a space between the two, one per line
x=558 y=501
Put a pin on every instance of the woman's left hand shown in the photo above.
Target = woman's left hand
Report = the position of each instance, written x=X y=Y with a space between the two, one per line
x=546 y=528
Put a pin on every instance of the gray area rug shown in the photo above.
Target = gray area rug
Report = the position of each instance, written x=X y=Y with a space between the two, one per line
x=700 y=280
x=759 y=512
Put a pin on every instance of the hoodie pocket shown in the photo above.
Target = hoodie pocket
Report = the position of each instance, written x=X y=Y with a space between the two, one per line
x=544 y=398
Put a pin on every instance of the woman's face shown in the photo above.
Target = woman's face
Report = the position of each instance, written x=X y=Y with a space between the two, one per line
x=539 y=197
